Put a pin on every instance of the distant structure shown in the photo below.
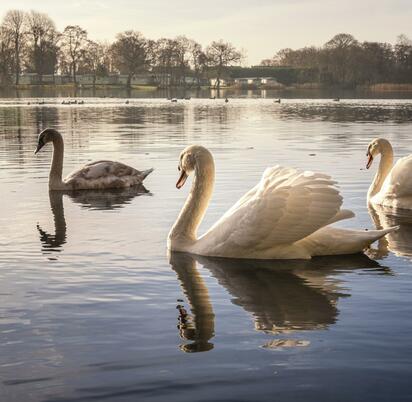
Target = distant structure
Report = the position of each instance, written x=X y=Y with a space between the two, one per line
x=258 y=82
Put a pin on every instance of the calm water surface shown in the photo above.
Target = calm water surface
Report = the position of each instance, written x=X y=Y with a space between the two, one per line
x=93 y=308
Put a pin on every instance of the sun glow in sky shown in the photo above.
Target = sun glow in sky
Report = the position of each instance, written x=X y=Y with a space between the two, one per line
x=260 y=27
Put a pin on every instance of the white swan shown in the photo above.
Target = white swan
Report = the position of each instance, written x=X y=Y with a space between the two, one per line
x=285 y=216
x=94 y=175
x=392 y=185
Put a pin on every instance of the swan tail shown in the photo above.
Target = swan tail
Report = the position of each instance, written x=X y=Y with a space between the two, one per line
x=335 y=241
x=373 y=235
x=145 y=173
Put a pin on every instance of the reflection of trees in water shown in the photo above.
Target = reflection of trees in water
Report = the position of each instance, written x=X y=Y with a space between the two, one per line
x=281 y=296
x=89 y=199
x=346 y=112
x=400 y=241
x=115 y=123
x=18 y=129
x=11 y=131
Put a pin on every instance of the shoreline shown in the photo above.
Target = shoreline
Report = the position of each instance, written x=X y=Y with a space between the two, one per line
x=381 y=87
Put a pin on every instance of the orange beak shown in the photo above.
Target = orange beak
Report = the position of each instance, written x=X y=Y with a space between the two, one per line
x=182 y=180
x=370 y=160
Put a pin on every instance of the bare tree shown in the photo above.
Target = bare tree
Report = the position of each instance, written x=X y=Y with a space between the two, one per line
x=164 y=61
x=182 y=56
x=130 y=53
x=6 y=56
x=221 y=55
x=72 y=46
x=339 y=55
x=199 y=60
x=14 y=23
x=42 y=44
x=94 y=59
x=403 y=57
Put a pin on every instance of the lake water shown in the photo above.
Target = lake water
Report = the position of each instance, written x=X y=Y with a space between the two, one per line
x=93 y=308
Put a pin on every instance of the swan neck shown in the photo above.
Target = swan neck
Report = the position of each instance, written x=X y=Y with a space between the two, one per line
x=385 y=166
x=184 y=231
x=56 y=169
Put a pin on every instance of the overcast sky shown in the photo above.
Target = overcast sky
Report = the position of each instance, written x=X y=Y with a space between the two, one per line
x=260 y=27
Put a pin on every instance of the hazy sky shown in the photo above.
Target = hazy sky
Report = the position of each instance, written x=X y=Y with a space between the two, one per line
x=260 y=27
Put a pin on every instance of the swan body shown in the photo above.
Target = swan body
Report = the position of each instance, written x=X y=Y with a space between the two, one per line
x=285 y=216
x=92 y=176
x=392 y=184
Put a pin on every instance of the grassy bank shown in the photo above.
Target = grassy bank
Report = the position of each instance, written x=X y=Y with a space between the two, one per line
x=391 y=87
x=82 y=86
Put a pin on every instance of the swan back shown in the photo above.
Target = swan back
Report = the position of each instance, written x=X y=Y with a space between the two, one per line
x=285 y=206
x=105 y=174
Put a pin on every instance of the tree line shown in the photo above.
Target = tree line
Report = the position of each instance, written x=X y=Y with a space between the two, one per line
x=31 y=43
x=346 y=62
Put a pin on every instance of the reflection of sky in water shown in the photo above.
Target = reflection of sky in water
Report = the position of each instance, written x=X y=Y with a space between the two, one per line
x=88 y=297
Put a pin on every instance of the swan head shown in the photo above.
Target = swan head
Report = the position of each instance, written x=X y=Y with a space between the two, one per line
x=191 y=158
x=376 y=147
x=45 y=136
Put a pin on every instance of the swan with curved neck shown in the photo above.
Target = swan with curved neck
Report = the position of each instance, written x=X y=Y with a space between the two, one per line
x=392 y=184
x=287 y=215
x=95 y=175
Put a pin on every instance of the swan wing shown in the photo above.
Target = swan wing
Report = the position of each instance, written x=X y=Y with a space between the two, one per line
x=285 y=206
x=105 y=174
x=99 y=169
x=399 y=181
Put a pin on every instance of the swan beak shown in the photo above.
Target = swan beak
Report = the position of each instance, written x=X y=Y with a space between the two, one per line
x=370 y=160
x=182 y=180
x=39 y=147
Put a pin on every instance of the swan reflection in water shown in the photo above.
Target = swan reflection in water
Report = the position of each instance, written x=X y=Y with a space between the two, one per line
x=282 y=296
x=398 y=242
x=89 y=199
